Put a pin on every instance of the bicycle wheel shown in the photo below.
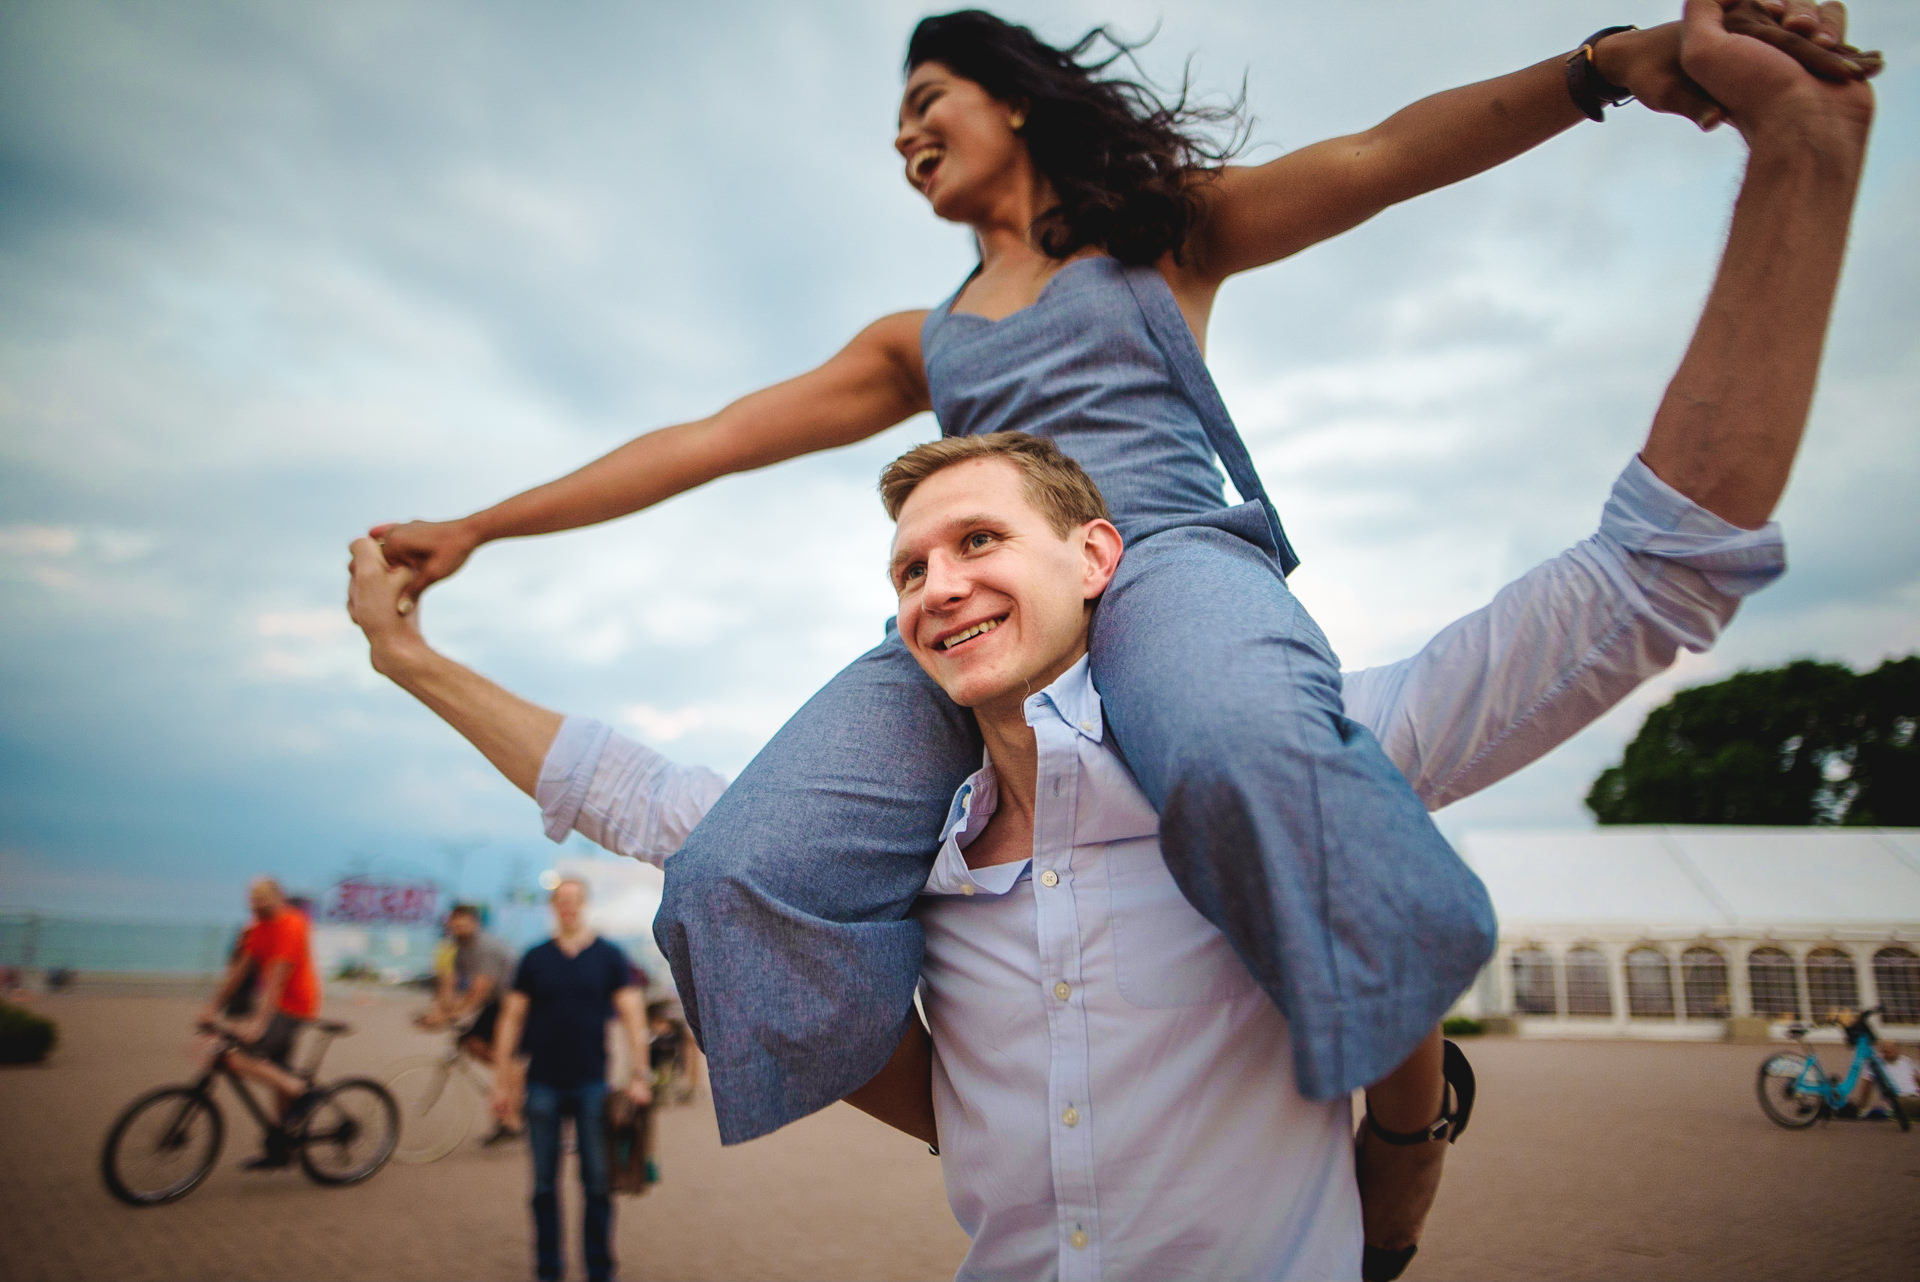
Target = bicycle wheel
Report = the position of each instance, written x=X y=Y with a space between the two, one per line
x=1781 y=1096
x=162 y=1146
x=435 y=1111
x=349 y=1133
x=1891 y=1095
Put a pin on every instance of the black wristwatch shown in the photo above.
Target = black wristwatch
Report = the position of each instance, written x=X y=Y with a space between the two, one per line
x=1589 y=90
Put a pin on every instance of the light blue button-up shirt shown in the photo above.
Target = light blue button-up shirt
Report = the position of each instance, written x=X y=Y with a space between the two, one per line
x=1114 y=1093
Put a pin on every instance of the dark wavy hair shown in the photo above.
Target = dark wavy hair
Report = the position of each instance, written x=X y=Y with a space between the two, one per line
x=1122 y=160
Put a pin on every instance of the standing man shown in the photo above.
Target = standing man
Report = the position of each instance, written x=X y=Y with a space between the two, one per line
x=563 y=994
x=275 y=948
x=469 y=999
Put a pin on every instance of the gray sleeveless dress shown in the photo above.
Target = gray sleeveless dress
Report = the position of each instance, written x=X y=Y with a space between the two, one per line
x=785 y=917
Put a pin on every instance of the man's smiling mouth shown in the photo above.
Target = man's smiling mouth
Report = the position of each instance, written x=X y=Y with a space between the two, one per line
x=970 y=633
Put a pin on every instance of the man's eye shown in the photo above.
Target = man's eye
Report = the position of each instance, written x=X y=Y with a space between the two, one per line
x=912 y=573
x=978 y=539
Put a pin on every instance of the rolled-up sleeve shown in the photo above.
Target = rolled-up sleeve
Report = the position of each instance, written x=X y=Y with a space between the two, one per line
x=1565 y=642
x=621 y=794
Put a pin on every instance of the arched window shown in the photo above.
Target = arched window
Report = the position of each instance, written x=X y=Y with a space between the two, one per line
x=1649 y=982
x=1776 y=990
x=1587 y=989
x=1703 y=978
x=1896 y=973
x=1533 y=982
x=1832 y=983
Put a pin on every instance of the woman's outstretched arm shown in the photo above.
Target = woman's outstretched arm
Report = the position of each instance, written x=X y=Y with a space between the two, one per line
x=873 y=383
x=1262 y=213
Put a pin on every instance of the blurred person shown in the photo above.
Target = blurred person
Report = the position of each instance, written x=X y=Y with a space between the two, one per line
x=1866 y=1100
x=1684 y=536
x=1900 y=1070
x=670 y=1048
x=276 y=956
x=467 y=998
x=564 y=992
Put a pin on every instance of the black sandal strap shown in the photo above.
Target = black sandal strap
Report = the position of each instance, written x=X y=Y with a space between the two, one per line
x=1454 y=1111
x=1459 y=1074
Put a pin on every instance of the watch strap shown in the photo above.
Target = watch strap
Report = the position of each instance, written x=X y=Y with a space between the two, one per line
x=1590 y=91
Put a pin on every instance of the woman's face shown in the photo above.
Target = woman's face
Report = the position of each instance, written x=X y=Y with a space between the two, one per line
x=959 y=143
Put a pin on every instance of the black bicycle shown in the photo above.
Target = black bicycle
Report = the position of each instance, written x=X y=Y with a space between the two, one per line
x=166 y=1141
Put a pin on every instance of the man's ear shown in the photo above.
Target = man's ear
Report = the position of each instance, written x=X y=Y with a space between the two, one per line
x=1100 y=546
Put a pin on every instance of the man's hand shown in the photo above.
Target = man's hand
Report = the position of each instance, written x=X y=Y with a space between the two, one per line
x=429 y=550
x=503 y=1103
x=1647 y=63
x=639 y=1089
x=1763 y=89
x=377 y=603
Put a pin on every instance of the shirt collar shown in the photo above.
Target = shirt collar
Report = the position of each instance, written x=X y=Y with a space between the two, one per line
x=1071 y=699
x=974 y=804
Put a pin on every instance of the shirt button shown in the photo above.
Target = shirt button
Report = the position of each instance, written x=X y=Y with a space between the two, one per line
x=1079 y=1240
x=1071 y=1117
x=1049 y=878
x=1087 y=726
x=966 y=888
x=1061 y=990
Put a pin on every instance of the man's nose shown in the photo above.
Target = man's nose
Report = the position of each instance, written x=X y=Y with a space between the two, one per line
x=947 y=583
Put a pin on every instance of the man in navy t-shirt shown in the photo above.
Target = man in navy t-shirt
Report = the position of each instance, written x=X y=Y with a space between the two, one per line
x=564 y=992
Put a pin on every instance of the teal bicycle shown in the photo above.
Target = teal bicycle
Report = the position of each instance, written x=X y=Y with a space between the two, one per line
x=1795 y=1090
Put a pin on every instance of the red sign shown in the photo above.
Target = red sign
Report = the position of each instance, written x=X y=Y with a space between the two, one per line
x=363 y=901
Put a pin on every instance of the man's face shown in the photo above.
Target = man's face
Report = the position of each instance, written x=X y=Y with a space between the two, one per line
x=569 y=904
x=263 y=899
x=993 y=603
x=463 y=926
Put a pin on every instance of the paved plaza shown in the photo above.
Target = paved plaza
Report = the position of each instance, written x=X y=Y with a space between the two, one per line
x=1585 y=1160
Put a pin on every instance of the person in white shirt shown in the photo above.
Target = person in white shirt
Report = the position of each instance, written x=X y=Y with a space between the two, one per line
x=1111 y=1094
x=1900 y=1070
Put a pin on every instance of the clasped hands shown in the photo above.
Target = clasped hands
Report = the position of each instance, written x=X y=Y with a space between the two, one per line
x=1661 y=65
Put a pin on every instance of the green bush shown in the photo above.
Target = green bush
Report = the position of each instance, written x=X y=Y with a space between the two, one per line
x=1461 y=1026
x=25 y=1038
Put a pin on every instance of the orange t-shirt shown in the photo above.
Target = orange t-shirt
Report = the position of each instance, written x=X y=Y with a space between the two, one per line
x=283 y=937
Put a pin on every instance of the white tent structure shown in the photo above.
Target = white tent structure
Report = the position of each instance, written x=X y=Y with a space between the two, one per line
x=1671 y=931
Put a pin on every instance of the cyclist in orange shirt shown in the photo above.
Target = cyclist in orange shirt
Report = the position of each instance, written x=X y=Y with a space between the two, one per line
x=276 y=948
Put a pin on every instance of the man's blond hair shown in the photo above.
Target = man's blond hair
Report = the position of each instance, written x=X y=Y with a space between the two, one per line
x=1058 y=487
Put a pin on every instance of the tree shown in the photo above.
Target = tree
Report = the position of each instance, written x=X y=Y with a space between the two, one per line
x=1809 y=743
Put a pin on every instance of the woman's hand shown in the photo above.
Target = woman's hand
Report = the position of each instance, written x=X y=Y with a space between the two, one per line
x=431 y=549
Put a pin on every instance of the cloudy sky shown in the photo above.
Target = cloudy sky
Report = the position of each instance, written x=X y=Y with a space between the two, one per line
x=270 y=273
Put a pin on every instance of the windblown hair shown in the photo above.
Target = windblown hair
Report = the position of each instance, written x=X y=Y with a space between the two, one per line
x=1123 y=161
x=1058 y=487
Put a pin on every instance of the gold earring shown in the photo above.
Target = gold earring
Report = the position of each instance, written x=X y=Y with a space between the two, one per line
x=1017 y=121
